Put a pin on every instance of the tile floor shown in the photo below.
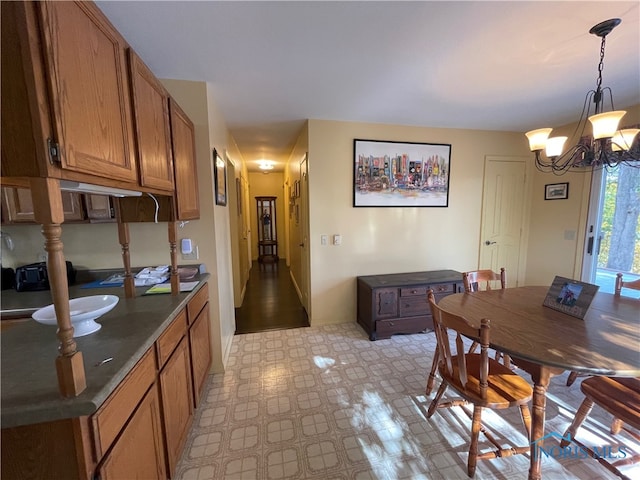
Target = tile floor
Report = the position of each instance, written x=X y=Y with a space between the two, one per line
x=326 y=403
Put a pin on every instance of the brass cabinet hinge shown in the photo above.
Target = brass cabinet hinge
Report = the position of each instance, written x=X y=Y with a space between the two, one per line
x=54 y=151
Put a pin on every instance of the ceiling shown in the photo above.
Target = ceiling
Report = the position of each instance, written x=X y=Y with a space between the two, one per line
x=510 y=66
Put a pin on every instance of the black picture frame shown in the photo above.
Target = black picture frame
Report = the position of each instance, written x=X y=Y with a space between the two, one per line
x=220 y=174
x=556 y=191
x=400 y=174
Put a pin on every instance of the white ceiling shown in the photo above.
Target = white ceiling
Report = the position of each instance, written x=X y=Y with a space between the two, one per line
x=510 y=66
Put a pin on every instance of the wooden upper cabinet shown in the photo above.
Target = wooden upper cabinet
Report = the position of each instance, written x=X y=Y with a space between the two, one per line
x=87 y=78
x=17 y=206
x=151 y=120
x=184 y=163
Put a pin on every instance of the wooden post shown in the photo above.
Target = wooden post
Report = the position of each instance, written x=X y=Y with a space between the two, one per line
x=173 y=239
x=129 y=282
x=48 y=211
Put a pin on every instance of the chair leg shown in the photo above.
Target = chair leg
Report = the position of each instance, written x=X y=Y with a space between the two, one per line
x=432 y=373
x=526 y=419
x=434 y=403
x=581 y=414
x=616 y=426
x=476 y=426
x=572 y=378
x=473 y=347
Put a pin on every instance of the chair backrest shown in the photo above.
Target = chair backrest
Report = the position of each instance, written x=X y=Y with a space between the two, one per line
x=452 y=350
x=620 y=283
x=478 y=279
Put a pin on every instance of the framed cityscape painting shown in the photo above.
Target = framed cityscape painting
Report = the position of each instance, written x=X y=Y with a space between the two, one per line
x=400 y=174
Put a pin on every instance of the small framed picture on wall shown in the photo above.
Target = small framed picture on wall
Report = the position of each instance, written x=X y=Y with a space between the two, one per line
x=556 y=191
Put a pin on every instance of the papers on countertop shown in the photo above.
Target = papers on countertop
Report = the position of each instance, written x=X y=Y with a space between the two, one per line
x=166 y=288
x=152 y=276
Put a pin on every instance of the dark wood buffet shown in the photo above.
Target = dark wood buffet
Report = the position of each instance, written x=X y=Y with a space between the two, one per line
x=397 y=303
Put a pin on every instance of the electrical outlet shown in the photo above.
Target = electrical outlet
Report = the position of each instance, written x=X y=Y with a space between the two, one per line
x=194 y=255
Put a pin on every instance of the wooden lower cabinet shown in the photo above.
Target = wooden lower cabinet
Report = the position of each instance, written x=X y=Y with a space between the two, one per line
x=397 y=302
x=177 y=403
x=200 y=343
x=141 y=428
x=139 y=451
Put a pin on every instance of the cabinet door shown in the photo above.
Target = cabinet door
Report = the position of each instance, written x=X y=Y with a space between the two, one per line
x=385 y=303
x=18 y=206
x=184 y=163
x=151 y=120
x=99 y=208
x=139 y=451
x=200 y=342
x=177 y=402
x=88 y=86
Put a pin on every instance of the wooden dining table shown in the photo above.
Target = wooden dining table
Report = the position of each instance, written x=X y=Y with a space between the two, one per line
x=545 y=342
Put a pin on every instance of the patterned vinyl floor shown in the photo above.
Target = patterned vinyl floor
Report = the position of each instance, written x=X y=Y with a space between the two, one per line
x=326 y=403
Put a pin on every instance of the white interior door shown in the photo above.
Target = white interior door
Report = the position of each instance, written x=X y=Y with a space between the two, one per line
x=503 y=216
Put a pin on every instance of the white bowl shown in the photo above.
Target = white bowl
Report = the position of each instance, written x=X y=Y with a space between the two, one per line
x=83 y=312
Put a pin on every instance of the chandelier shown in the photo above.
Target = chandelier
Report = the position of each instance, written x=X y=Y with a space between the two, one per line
x=606 y=147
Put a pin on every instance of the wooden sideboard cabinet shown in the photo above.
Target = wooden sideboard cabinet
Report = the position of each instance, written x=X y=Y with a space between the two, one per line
x=397 y=303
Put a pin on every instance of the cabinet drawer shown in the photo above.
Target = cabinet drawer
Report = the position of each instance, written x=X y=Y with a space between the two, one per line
x=413 y=291
x=412 y=306
x=171 y=337
x=111 y=417
x=386 y=328
x=197 y=302
x=443 y=288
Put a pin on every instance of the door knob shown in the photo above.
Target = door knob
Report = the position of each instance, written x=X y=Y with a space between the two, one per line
x=487 y=242
x=301 y=244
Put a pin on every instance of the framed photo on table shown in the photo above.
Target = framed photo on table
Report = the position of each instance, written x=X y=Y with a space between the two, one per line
x=570 y=296
x=220 y=174
x=400 y=174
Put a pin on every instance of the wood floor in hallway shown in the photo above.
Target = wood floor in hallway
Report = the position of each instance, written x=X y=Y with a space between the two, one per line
x=270 y=301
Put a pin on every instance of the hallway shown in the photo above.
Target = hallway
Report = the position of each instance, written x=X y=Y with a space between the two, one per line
x=270 y=301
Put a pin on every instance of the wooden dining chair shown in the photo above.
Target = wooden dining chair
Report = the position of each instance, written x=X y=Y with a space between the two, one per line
x=618 y=396
x=478 y=379
x=473 y=281
x=620 y=284
x=476 y=280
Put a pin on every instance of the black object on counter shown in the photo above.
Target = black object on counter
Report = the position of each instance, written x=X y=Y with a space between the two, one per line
x=8 y=278
x=35 y=277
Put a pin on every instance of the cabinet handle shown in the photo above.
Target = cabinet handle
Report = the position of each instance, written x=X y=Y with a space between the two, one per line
x=414 y=291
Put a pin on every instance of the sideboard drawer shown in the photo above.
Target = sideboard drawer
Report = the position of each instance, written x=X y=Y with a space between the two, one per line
x=386 y=328
x=413 y=291
x=412 y=306
x=443 y=288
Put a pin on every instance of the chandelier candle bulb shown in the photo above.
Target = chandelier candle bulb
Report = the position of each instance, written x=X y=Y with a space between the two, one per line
x=623 y=139
x=605 y=125
x=538 y=138
x=554 y=146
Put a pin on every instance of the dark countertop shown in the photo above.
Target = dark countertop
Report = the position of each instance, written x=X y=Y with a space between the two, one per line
x=29 y=382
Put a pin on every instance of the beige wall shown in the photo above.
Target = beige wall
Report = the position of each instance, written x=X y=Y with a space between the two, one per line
x=390 y=240
x=267 y=185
